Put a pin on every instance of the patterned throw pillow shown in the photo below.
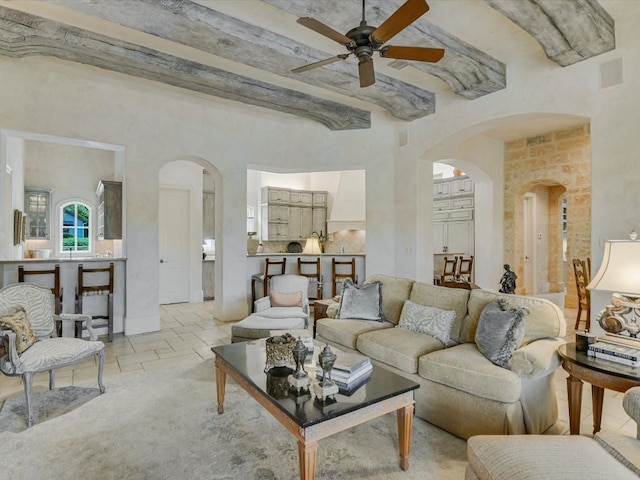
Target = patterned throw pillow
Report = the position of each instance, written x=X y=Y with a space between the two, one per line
x=363 y=303
x=430 y=320
x=286 y=299
x=16 y=320
x=500 y=331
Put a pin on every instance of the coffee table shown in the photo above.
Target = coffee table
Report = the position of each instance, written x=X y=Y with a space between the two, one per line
x=600 y=374
x=305 y=418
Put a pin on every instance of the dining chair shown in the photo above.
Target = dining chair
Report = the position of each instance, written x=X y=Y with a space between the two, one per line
x=347 y=270
x=449 y=269
x=312 y=269
x=97 y=281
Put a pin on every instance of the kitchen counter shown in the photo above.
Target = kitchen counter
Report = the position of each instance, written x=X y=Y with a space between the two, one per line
x=307 y=254
x=64 y=260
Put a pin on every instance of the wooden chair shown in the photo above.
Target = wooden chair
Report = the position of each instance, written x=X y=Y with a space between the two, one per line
x=315 y=275
x=271 y=268
x=339 y=277
x=47 y=353
x=465 y=269
x=582 y=273
x=101 y=284
x=449 y=269
x=56 y=289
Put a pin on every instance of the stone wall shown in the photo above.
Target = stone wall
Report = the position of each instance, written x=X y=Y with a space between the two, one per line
x=557 y=163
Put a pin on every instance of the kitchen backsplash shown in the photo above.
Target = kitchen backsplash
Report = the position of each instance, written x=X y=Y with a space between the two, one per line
x=353 y=241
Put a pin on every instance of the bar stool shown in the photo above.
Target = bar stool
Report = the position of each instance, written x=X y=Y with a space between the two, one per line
x=98 y=288
x=315 y=275
x=465 y=268
x=271 y=268
x=449 y=269
x=340 y=277
x=56 y=289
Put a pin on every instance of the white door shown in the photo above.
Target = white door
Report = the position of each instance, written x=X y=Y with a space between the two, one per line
x=174 y=228
x=529 y=244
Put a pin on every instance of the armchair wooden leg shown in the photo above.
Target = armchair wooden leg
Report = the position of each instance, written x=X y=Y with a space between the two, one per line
x=27 y=380
x=52 y=379
x=100 y=370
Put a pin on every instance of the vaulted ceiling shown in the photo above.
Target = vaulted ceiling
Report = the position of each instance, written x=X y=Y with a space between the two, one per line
x=244 y=50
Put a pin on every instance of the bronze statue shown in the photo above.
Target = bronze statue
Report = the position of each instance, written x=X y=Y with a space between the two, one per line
x=508 y=281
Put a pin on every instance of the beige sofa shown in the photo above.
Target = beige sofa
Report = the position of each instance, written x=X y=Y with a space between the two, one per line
x=533 y=457
x=460 y=390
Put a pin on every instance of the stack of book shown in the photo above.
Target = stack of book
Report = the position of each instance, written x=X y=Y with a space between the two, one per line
x=349 y=372
x=614 y=349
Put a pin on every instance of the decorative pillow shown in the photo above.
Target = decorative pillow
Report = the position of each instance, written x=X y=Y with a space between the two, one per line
x=16 y=320
x=430 y=320
x=363 y=303
x=286 y=299
x=500 y=331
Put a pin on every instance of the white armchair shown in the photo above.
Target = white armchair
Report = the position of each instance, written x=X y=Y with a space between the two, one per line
x=48 y=352
x=286 y=308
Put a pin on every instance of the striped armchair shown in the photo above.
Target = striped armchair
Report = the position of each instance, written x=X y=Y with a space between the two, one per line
x=21 y=357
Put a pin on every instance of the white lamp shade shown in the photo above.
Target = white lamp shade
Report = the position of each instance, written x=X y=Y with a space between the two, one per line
x=312 y=246
x=620 y=268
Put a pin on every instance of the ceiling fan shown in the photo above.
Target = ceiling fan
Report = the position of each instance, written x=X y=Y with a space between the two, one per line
x=364 y=39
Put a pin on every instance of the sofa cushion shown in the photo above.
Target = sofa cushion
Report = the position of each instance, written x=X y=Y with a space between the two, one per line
x=544 y=319
x=397 y=347
x=624 y=448
x=394 y=292
x=445 y=298
x=500 y=331
x=345 y=332
x=430 y=320
x=464 y=368
x=363 y=303
x=536 y=457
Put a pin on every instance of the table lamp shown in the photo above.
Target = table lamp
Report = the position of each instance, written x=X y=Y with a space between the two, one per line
x=312 y=246
x=620 y=273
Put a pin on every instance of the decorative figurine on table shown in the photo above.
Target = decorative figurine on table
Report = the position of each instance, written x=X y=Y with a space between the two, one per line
x=299 y=380
x=508 y=281
x=326 y=388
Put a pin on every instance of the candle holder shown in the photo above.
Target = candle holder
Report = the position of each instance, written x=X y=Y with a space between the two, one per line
x=299 y=380
x=326 y=388
x=279 y=351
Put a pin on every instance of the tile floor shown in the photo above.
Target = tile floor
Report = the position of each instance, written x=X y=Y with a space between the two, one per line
x=189 y=331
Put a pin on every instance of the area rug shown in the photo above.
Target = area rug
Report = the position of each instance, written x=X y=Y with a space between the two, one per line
x=164 y=425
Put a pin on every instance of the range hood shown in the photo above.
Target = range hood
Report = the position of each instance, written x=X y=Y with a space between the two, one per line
x=349 y=204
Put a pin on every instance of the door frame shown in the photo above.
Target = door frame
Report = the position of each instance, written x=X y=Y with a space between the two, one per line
x=529 y=243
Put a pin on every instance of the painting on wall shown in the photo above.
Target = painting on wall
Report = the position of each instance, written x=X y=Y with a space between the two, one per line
x=19 y=227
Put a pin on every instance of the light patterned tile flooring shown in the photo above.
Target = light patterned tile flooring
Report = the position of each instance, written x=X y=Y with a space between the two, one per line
x=189 y=331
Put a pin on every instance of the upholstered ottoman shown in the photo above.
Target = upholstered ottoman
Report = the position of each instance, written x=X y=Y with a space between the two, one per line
x=256 y=326
x=537 y=457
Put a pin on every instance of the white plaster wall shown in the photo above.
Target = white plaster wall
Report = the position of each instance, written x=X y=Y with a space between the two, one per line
x=158 y=124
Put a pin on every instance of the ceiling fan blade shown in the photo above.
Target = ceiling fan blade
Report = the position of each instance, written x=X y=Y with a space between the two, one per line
x=420 y=54
x=366 y=72
x=399 y=20
x=321 y=63
x=319 y=27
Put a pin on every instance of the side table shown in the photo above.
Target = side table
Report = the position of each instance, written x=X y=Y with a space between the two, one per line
x=320 y=311
x=600 y=374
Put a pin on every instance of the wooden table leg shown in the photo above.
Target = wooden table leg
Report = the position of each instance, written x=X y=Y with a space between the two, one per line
x=307 y=457
x=574 y=394
x=597 y=399
x=221 y=378
x=405 y=422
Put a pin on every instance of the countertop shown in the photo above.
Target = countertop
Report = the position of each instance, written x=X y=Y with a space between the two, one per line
x=307 y=254
x=65 y=260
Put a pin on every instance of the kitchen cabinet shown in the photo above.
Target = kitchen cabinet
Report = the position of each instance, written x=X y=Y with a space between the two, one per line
x=441 y=190
x=37 y=205
x=109 y=223
x=456 y=237
x=300 y=223
x=292 y=214
x=461 y=186
x=320 y=220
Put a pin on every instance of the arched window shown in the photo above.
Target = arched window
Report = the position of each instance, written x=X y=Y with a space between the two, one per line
x=75 y=223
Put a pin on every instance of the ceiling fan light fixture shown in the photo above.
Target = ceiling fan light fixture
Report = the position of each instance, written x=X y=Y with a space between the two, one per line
x=365 y=39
